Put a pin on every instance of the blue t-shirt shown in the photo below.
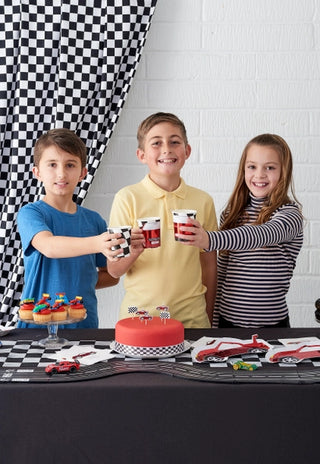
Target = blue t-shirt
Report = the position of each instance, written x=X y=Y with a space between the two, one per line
x=72 y=276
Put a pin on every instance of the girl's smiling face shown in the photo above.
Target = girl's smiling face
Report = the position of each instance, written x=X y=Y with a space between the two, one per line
x=262 y=170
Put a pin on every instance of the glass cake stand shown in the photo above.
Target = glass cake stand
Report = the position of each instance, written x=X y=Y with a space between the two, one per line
x=52 y=340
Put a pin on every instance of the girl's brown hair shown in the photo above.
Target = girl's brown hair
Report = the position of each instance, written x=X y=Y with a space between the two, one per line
x=65 y=139
x=234 y=212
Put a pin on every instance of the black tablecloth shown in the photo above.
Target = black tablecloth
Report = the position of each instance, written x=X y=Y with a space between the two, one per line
x=148 y=417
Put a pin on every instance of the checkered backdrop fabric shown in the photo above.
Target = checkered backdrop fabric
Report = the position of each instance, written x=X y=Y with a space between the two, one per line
x=63 y=63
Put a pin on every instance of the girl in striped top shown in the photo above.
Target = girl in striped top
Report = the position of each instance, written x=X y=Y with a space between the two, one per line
x=260 y=236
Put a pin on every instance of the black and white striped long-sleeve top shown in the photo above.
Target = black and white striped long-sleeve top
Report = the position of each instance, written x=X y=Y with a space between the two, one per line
x=254 y=275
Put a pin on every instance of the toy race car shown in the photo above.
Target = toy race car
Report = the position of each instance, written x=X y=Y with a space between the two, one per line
x=243 y=365
x=62 y=367
x=222 y=348
x=294 y=353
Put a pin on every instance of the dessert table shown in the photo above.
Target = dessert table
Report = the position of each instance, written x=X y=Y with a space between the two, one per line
x=142 y=417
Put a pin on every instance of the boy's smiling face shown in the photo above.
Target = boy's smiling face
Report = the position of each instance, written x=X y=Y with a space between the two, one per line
x=165 y=153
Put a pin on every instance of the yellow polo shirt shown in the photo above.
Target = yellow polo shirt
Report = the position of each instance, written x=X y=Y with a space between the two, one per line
x=171 y=274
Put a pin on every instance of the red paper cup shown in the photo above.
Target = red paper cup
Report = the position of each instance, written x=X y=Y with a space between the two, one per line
x=151 y=230
x=180 y=219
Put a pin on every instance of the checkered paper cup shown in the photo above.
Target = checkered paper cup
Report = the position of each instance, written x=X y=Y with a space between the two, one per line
x=124 y=247
x=151 y=230
x=180 y=219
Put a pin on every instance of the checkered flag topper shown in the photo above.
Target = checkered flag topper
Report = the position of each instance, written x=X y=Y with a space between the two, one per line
x=164 y=315
x=132 y=309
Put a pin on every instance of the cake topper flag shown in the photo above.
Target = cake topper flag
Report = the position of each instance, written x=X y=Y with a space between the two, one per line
x=132 y=310
x=164 y=315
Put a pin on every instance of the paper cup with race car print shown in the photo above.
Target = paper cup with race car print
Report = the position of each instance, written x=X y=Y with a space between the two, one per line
x=151 y=230
x=124 y=247
x=180 y=219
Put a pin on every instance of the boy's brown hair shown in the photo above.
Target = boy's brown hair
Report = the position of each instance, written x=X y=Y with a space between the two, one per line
x=65 y=139
x=158 y=118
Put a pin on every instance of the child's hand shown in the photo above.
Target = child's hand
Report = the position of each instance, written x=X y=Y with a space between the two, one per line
x=199 y=237
x=112 y=240
x=119 y=266
x=109 y=241
x=137 y=241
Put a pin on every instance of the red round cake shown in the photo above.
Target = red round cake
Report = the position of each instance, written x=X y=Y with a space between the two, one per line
x=155 y=337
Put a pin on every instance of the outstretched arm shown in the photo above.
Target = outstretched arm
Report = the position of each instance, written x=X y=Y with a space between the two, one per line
x=53 y=246
x=284 y=226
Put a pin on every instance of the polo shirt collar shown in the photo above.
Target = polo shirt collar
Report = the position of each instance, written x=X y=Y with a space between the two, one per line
x=158 y=192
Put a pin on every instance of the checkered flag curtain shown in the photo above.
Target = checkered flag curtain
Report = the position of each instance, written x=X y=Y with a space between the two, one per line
x=63 y=63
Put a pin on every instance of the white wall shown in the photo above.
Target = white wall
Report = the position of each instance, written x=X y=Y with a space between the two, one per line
x=231 y=70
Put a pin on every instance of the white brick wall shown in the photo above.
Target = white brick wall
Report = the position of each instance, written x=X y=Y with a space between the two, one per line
x=231 y=70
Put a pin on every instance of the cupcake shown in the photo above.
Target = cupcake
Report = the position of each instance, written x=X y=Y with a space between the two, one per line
x=77 y=310
x=42 y=313
x=26 y=308
x=59 y=311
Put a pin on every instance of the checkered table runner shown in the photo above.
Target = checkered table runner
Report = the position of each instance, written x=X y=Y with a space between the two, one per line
x=67 y=63
x=25 y=360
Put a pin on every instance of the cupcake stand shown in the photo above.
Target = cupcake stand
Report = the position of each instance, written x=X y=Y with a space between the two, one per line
x=52 y=340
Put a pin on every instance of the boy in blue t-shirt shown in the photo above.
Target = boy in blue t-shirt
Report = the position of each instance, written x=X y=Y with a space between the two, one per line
x=65 y=245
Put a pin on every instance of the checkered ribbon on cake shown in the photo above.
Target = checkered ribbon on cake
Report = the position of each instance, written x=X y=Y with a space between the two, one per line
x=144 y=351
x=66 y=63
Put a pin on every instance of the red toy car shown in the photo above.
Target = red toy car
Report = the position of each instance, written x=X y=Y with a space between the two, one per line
x=294 y=353
x=222 y=348
x=62 y=367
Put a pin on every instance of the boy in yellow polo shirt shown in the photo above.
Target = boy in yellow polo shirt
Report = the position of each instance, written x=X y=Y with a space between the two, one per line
x=183 y=278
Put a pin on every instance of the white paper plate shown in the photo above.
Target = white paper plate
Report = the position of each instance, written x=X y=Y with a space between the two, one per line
x=5 y=330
